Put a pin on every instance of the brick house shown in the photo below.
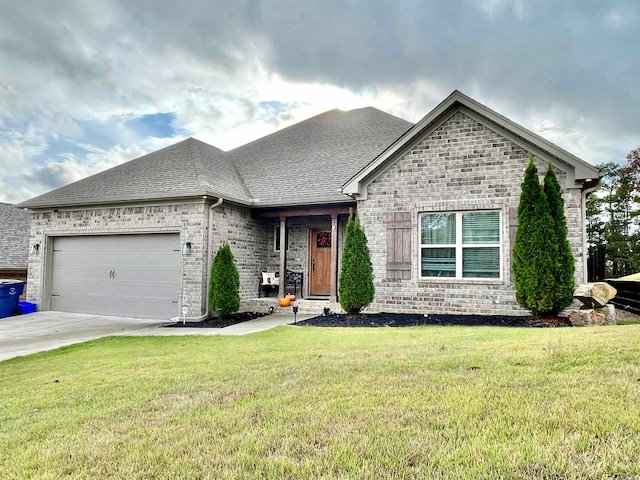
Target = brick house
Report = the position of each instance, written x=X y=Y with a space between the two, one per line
x=437 y=201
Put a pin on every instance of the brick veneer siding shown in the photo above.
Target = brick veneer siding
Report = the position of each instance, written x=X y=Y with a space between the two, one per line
x=247 y=238
x=190 y=220
x=462 y=165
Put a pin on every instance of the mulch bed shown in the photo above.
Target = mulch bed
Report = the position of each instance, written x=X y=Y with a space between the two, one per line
x=215 y=322
x=387 y=320
x=411 y=320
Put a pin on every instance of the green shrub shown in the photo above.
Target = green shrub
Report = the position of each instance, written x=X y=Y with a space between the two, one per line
x=535 y=249
x=356 y=288
x=564 y=267
x=224 y=289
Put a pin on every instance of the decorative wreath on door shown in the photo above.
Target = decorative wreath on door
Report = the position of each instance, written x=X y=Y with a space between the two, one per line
x=324 y=240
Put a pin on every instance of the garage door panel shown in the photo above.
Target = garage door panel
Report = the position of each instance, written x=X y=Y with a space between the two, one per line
x=131 y=275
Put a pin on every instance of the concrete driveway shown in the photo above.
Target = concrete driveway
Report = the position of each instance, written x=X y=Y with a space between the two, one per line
x=41 y=331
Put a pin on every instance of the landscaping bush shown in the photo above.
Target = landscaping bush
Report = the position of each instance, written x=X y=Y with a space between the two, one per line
x=564 y=266
x=535 y=249
x=224 y=289
x=356 y=288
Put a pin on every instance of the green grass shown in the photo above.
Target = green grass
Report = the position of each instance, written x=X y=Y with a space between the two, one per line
x=423 y=402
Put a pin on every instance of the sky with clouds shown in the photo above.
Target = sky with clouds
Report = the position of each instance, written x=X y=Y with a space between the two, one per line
x=88 y=84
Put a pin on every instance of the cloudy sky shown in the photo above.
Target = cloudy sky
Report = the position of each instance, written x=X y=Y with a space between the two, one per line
x=88 y=84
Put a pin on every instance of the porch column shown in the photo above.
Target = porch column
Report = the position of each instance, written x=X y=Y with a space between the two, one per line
x=333 y=293
x=283 y=254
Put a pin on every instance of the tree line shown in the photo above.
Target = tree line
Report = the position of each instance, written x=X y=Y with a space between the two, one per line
x=613 y=217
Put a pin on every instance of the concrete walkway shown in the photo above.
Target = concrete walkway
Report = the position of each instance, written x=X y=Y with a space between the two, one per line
x=42 y=331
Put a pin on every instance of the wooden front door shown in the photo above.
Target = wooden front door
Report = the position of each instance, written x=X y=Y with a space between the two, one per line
x=319 y=262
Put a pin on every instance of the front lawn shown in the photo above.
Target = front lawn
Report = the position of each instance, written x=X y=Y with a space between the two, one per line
x=419 y=402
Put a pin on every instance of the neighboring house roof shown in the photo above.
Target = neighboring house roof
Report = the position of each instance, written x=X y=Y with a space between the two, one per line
x=302 y=164
x=14 y=237
x=308 y=162
x=457 y=101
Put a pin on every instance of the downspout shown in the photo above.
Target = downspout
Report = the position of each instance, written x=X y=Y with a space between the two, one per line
x=585 y=248
x=209 y=257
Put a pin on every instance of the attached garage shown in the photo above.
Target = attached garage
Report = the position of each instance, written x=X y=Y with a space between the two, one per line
x=124 y=275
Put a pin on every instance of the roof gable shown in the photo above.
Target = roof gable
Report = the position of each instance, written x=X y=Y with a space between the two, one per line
x=457 y=101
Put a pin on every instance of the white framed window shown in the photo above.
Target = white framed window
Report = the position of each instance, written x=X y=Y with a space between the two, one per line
x=276 y=238
x=461 y=245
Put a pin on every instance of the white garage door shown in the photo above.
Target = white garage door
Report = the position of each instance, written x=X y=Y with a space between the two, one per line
x=126 y=275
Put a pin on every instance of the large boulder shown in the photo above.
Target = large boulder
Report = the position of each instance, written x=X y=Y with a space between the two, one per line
x=595 y=295
x=609 y=312
x=586 y=318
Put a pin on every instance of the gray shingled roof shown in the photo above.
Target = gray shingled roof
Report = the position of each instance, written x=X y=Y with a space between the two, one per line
x=302 y=164
x=308 y=162
x=14 y=237
x=188 y=168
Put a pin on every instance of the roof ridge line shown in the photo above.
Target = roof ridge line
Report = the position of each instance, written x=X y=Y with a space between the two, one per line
x=194 y=162
x=249 y=193
x=281 y=130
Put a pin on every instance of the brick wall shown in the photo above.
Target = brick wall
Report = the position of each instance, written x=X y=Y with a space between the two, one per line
x=462 y=165
x=250 y=239
x=190 y=220
x=247 y=238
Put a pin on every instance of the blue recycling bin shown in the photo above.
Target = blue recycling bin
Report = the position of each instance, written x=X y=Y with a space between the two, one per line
x=10 y=291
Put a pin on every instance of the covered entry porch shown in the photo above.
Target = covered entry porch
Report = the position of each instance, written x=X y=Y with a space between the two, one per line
x=307 y=241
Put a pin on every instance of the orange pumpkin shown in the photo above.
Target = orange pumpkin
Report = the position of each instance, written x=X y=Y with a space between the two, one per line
x=291 y=297
x=284 y=302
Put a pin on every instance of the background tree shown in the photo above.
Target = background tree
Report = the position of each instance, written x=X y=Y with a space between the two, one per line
x=356 y=288
x=595 y=224
x=224 y=289
x=535 y=248
x=564 y=267
x=613 y=213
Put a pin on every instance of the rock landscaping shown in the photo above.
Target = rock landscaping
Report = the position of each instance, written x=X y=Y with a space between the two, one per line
x=596 y=309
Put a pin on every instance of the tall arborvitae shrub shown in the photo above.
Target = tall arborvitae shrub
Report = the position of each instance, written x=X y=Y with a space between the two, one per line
x=564 y=267
x=535 y=248
x=224 y=290
x=356 y=288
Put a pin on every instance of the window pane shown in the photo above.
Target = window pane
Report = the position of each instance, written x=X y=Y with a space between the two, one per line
x=481 y=227
x=438 y=262
x=438 y=229
x=276 y=238
x=481 y=262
